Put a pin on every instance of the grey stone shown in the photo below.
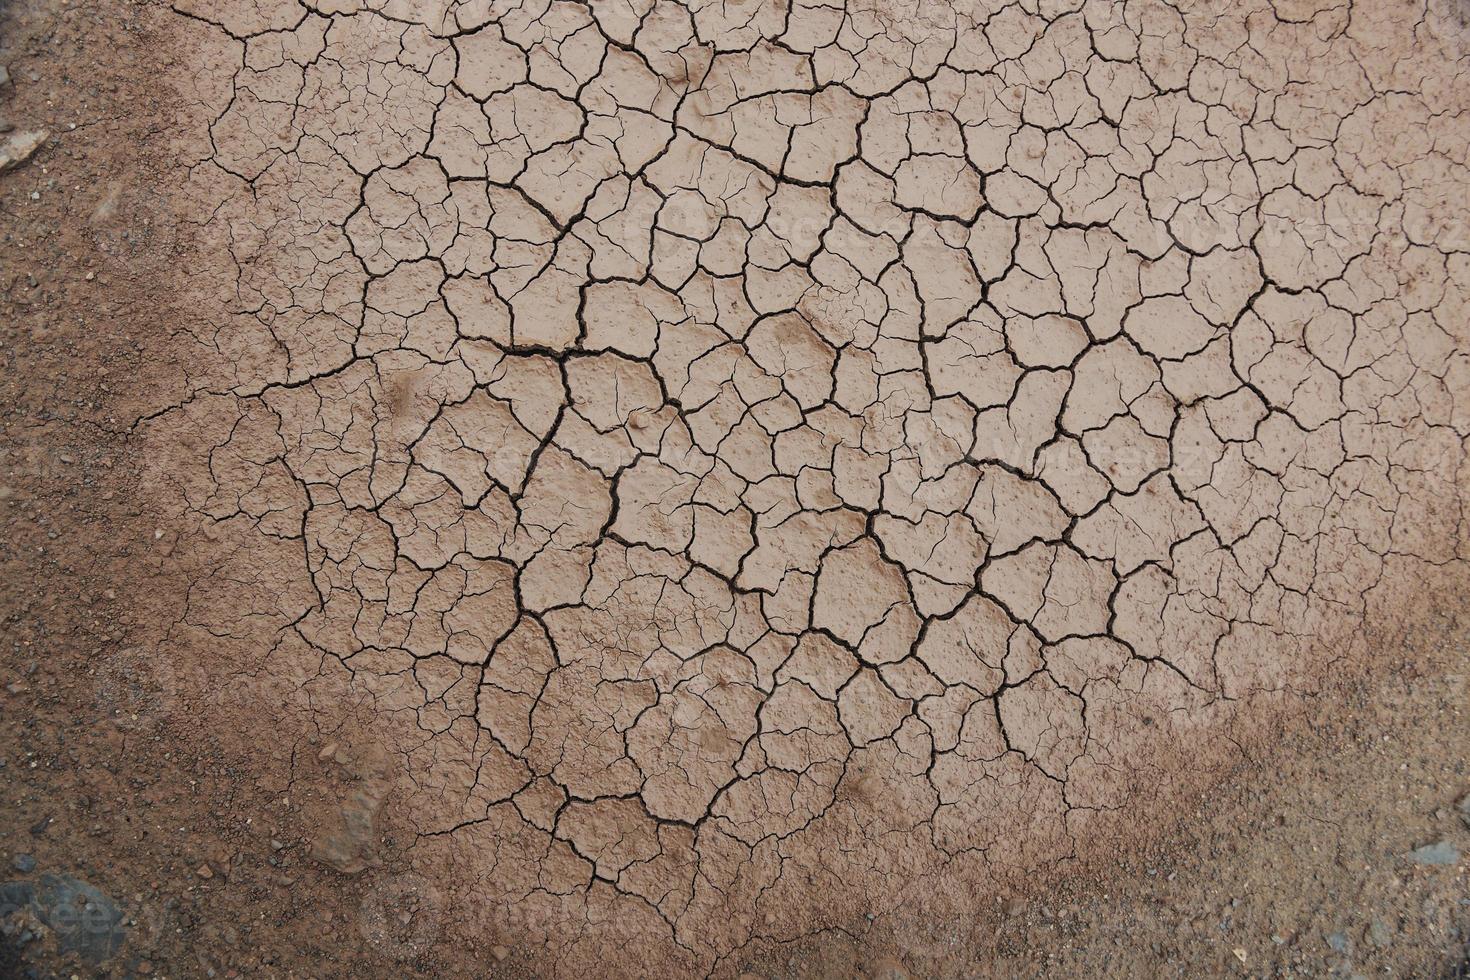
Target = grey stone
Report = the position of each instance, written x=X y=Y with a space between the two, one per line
x=83 y=920
x=1439 y=854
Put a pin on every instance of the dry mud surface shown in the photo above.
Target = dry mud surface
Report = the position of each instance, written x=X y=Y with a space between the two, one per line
x=680 y=489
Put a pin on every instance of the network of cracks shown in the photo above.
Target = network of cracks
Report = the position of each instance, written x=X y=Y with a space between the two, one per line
x=748 y=453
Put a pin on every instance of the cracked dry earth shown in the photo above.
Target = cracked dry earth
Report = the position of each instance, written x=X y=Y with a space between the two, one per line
x=700 y=475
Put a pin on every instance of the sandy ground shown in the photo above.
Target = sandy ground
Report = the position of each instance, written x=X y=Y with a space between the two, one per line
x=659 y=490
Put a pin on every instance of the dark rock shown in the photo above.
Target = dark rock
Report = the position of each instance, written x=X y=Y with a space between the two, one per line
x=83 y=920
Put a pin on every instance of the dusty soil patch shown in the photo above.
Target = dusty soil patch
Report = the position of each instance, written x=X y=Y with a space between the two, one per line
x=684 y=492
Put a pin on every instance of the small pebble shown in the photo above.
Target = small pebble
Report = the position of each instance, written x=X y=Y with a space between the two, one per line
x=1439 y=854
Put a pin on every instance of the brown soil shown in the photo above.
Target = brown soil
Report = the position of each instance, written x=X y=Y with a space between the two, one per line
x=406 y=575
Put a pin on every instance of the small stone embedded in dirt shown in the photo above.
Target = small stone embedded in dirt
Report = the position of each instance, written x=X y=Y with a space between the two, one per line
x=348 y=846
x=19 y=146
x=500 y=953
x=1463 y=808
x=1339 y=942
x=23 y=863
x=1439 y=854
x=887 y=968
x=205 y=871
x=39 y=827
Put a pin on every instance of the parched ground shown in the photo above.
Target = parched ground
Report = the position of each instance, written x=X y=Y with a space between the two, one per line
x=695 y=489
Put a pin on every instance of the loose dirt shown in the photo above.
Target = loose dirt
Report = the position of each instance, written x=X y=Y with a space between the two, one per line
x=780 y=490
